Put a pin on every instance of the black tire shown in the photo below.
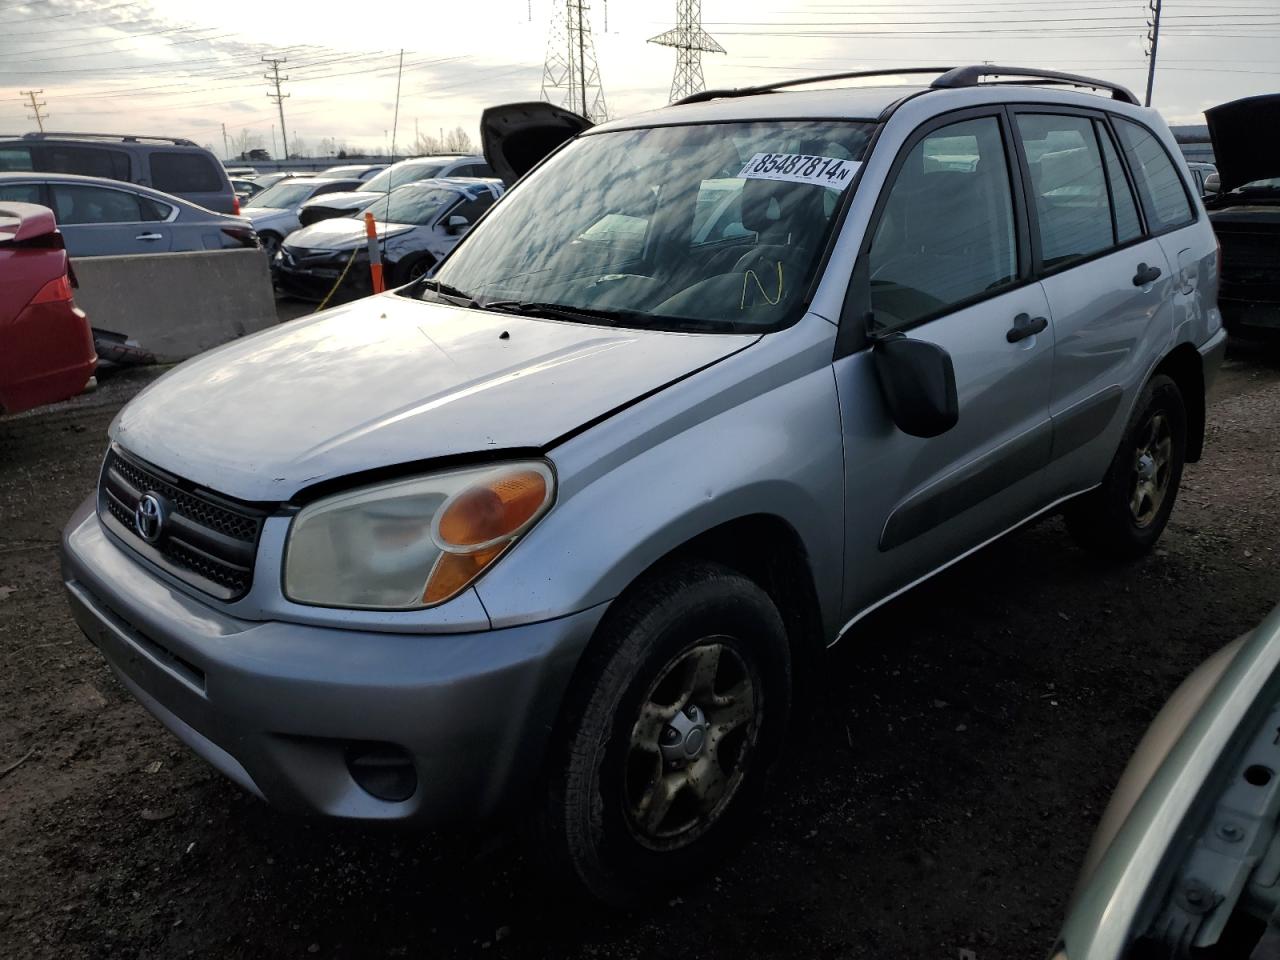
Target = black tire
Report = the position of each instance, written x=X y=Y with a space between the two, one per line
x=1106 y=520
x=411 y=269
x=270 y=244
x=586 y=826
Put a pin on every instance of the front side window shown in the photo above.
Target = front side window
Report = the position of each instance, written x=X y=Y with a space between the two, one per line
x=76 y=204
x=184 y=173
x=1164 y=198
x=607 y=230
x=1068 y=185
x=946 y=234
x=20 y=192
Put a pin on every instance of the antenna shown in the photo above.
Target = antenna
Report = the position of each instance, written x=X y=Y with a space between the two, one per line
x=691 y=42
x=37 y=116
x=570 y=74
x=275 y=78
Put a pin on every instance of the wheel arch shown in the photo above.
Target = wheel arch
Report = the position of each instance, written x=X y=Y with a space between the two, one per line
x=1184 y=366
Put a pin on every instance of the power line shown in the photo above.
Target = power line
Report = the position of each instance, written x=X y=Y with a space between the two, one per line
x=278 y=97
x=37 y=116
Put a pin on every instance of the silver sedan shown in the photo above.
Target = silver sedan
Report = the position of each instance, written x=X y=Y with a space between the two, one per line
x=101 y=217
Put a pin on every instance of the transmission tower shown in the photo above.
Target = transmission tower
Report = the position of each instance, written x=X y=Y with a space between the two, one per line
x=570 y=75
x=274 y=78
x=29 y=96
x=691 y=42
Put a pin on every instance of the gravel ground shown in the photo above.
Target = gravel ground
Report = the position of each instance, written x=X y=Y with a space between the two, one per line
x=938 y=799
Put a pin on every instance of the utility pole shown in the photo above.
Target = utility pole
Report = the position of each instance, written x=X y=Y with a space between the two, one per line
x=37 y=116
x=226 y=149
x=1153 y=41
x=274 y=78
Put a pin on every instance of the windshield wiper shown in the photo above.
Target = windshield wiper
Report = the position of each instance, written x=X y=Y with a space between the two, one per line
x=449 y=293
x=554 y=311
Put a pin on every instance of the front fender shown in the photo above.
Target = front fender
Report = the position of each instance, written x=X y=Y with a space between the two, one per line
x=757 y=433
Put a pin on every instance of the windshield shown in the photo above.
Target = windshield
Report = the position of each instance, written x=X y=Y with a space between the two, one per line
x=1270 y=185
x=419 y=205
x=284 y=194
x=714 y=227
x=400 y=174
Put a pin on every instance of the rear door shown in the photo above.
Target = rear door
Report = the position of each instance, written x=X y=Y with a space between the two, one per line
x=946 y=261
x=97 y=220
x=1107 y=280
x=194 y=176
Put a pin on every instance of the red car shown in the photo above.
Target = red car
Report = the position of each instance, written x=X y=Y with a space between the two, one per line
x=46 y=344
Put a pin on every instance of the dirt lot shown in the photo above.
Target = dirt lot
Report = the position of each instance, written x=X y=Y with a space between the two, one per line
x=939 y=800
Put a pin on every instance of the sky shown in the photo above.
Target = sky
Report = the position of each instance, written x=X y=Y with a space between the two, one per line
x=187 y=67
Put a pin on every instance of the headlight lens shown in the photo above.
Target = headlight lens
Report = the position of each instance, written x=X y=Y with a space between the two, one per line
x=413 y=543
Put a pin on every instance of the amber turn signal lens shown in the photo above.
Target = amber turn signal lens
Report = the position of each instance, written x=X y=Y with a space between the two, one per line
x=483 y=515
x=453 y=571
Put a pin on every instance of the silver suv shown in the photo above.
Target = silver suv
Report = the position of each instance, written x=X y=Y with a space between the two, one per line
x=558 y=530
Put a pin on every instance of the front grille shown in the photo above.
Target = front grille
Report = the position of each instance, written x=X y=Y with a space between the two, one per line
x=205 y=540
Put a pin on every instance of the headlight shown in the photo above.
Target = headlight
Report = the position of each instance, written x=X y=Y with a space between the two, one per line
x=413 y=543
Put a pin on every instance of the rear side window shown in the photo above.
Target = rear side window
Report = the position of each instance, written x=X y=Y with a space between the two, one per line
x=1068 y=185
x=20 y=192
x=153 y=210
x=76 y=204
x=1127 y=225
x=184 y=173
x=1164 y=198
x=946 y=235
x=83 y=161
x=15 y=157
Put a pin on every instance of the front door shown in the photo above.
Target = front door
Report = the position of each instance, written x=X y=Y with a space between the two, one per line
x=946 y=261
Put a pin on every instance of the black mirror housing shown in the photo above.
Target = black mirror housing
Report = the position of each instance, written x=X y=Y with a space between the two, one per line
x=918 y=381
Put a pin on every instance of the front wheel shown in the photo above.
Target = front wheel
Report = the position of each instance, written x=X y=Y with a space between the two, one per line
x=1124 y=517
x=680 y=706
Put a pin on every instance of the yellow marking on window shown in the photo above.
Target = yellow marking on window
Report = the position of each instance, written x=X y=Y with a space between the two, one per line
x=751 y=275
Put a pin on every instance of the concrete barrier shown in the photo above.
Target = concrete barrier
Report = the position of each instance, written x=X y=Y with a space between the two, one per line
x=178 y=304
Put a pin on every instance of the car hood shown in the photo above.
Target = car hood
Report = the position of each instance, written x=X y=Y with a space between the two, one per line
x=341 y=233
x=1246 y=139
x=343 y=199
x=389 y=380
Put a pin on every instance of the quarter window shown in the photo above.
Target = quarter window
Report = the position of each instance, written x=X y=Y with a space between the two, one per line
x=75 y=204
x=1163 y=195
x=184 y=173
x=946 y=235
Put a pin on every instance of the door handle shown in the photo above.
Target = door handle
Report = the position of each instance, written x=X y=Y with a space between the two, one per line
x=1145 y=275
x=149 y=236
x=1025 y=325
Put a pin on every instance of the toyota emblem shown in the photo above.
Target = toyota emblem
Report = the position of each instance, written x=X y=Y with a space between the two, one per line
x=150 y=516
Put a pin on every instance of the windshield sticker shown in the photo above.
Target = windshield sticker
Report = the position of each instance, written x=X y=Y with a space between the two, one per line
x=832 y=172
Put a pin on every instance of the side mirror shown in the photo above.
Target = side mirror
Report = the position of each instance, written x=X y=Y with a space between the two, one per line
x=457 y=224
x=918 y=381
x=1212 y=184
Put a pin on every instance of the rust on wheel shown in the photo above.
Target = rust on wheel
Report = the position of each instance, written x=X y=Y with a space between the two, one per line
x=691 y=745
x=1152 y=460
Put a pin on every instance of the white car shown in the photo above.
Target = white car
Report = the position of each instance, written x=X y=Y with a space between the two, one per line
x=274 y=213
x=397 y=175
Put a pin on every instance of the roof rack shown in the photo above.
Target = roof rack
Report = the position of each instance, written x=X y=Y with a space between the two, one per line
x=951 y=78
x=120 y=137
x=970 y=76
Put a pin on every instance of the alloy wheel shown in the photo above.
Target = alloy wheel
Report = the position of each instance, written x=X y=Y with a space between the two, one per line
x=1152 y=459
x=691 y=745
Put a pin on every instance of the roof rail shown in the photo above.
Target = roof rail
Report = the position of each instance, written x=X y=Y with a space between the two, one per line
x=970 y=77
x=951 y=78
x=822 y=78
x=121 y=137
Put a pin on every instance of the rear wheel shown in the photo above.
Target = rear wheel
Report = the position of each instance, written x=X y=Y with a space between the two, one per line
x=1125 y=516
x=680 y=706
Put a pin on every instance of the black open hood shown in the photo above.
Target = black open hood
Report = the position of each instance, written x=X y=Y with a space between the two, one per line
x=516 y=136
x=1246 y=139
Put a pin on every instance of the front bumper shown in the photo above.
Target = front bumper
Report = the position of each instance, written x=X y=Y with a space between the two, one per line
x=278 y=707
